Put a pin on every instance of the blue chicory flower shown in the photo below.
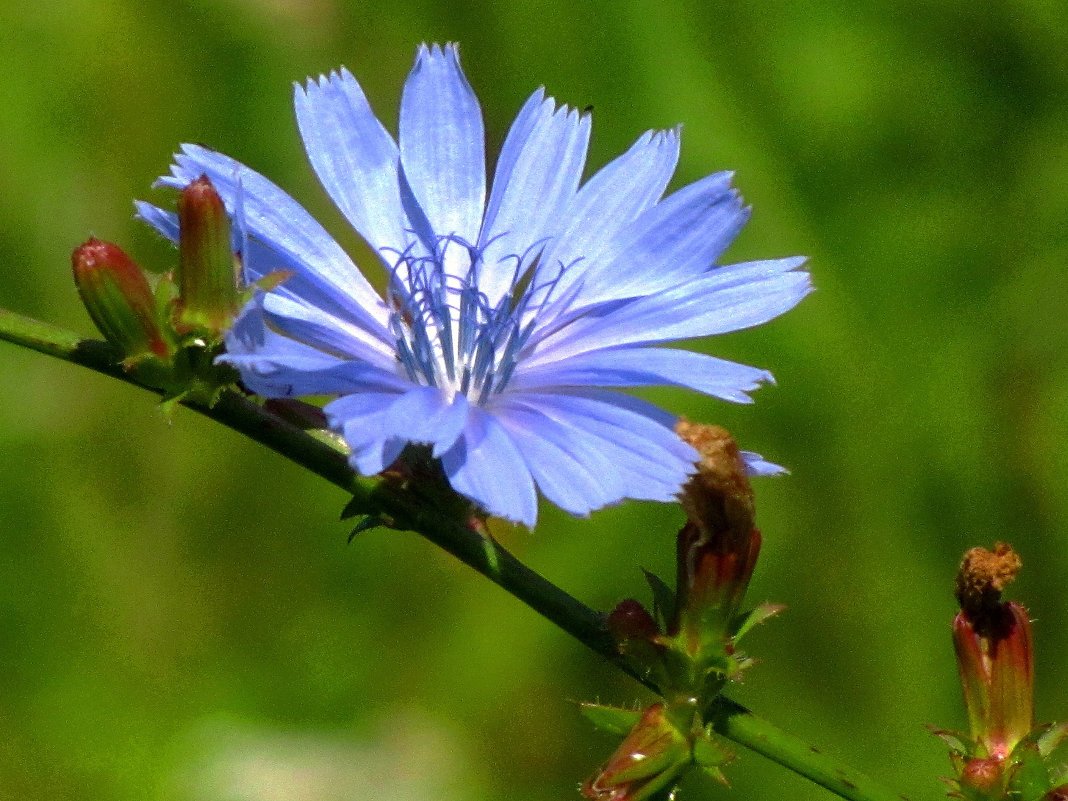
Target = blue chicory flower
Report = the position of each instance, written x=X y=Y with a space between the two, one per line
x=507 y=324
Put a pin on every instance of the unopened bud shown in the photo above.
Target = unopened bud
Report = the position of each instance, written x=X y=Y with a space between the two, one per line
x=119 y=300
x=651 y=757
x=631 y=621
x=208 y=296
x=992 y=639
x=981 y=778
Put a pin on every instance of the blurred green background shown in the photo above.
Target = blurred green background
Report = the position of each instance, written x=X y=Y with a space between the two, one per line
x=180 y=617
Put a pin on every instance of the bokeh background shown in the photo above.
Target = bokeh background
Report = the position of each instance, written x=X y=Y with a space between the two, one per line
x=180 y=616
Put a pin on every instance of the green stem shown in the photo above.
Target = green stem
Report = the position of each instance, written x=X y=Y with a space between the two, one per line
x=374 y=497
x=737 y=723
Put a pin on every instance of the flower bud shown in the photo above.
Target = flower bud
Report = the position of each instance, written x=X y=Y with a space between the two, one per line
x=992 y=640
x=982 y=778
x=208 y=296
x=631 y=621
x=118 y=298
x=719 y=545
x=651 y=757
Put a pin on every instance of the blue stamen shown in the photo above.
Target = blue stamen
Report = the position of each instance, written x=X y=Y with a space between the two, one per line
x=446 y=331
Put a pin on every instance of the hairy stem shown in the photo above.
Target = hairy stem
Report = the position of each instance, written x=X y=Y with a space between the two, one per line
x=373 y=496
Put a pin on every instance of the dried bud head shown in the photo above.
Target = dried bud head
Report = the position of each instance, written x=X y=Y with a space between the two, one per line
x=983 y=576
x=718 y=497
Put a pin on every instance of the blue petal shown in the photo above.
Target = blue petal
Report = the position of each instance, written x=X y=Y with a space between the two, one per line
x=676 y=240
x=259 y=260
x=724 y=299
x=323 y=324
x=637 y=367
x=757 y=465
x=487 y=467
x=424 y=415
x=537 y=175
x=607 y=203
x=442 y=144
x=354 y=156
x=273 y=365
x=570 y=477
x=629 y=445
x=165 y=222
x=376 y=456
x=370 y=421
x=282 y=225
x=358 y=418
x=328 y=332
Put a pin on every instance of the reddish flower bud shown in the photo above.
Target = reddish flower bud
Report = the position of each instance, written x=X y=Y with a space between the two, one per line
x=208 y=296
x=118 y=298
x=631 y=621
x=994 y=652
x=652 y=756
x=981 y=778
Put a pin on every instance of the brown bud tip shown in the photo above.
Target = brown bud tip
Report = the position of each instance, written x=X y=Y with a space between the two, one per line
x=202 y=192
x=983 y=576
x=718 y=497
x=1057 y=794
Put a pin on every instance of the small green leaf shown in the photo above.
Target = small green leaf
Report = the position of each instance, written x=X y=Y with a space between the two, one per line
x=273 y=280
x=368 y=523
x=711 y=753
x=611 y=719
x=957 y=742
x=754 y=617
x=1050 y=739
x=663 y=599
x=1030 y=779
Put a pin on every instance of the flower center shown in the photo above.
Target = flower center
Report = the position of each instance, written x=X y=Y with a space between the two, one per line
x=448 y=332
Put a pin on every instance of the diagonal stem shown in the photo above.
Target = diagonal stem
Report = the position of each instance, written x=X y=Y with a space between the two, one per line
x=372 y=496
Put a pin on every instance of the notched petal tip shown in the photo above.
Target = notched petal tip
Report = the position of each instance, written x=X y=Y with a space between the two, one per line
x=794 y=264
x=429 y=54
x=312 y=86
x=664 y=137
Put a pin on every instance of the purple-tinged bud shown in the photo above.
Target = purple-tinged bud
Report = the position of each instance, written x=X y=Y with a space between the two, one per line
x=651 y=757
x=1057 y=794
x=631 y=621
x=992 y=640
x=119 y=300
x=208 y=294
x=718 y=547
